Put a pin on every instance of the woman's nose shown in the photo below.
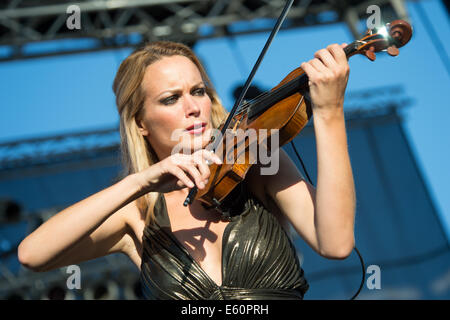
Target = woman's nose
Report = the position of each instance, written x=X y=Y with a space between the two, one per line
x=190 y=106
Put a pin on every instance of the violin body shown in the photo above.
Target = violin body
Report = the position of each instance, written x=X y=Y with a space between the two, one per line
x=283 y=110
x=288 y=116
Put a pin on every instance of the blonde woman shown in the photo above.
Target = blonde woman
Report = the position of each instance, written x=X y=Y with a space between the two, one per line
x=190 y=252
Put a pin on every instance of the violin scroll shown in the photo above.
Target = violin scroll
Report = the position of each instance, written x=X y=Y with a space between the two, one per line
x=400 y=31
x=388 y=38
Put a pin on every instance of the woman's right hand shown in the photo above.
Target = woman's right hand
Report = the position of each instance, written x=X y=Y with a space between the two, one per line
x=177 y=171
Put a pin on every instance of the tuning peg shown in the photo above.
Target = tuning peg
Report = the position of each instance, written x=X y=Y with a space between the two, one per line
x=369 y=32
x=393 y=50
x=370 y=53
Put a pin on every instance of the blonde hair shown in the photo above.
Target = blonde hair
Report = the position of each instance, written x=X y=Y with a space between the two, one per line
x=137 y=153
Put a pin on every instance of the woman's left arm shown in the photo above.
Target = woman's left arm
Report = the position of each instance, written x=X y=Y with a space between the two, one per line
x=323 y=217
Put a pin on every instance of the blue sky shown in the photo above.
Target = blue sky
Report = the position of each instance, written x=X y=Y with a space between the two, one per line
x=54 y=95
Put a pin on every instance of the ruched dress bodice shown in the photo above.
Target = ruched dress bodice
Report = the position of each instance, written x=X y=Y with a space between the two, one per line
x=258 y=259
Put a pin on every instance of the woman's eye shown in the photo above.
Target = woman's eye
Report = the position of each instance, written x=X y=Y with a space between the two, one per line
x=200 y=91
x=169 y=100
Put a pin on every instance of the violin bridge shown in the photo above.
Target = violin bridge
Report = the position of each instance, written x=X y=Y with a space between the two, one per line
x=235 y=126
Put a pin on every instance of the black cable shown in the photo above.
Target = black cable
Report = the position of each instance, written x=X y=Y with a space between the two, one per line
x=354 y=248
x=363 y=274
x=301 y=162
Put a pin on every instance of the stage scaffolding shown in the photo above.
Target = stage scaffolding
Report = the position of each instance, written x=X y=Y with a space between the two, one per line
x=111 y=24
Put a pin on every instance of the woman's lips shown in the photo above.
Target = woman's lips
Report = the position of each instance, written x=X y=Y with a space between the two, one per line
x=197 y=129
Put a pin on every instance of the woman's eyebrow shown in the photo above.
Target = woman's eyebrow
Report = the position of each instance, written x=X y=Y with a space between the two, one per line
x=174 y=90
x=199 y=83
x=178 y=90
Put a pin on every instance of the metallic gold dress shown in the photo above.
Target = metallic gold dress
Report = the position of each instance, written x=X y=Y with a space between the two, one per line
x=259 y=260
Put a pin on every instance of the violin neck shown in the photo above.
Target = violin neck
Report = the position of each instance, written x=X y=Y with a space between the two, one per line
x=298 y=85
x=351 y=49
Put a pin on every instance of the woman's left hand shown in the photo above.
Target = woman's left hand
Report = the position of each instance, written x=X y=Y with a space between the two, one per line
x=328 y=75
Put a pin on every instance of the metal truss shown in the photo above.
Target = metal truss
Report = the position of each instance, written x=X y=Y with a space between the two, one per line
x=100 y=146
x=109 y=24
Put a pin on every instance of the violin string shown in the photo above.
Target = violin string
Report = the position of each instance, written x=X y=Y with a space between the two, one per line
x=257 y=99
x=260 y=97
x=246 y=106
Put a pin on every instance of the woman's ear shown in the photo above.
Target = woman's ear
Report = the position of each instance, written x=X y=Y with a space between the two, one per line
x=142 y=129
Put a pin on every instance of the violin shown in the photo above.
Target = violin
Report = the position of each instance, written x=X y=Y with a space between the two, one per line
x=285 y=110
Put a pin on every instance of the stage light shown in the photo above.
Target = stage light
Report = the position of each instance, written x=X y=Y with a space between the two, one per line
x=58 y=292
x=10 y=211
x=108 y=290
x=133 y=291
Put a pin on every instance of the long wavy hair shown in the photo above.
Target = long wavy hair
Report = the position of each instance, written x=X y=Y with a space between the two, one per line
x=137 y=153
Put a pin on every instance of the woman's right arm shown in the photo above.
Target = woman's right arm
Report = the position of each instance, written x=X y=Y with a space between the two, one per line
x=97 y=225
x=74 y=234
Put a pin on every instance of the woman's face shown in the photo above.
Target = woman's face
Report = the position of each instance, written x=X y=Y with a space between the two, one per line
x=175 y=101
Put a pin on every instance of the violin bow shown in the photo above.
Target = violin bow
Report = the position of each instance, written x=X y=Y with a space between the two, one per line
x=190 y=197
